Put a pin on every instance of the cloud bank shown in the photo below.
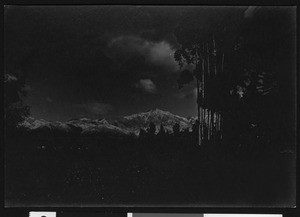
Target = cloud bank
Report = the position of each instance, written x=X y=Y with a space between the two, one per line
x=146 y=85
x=159 y=54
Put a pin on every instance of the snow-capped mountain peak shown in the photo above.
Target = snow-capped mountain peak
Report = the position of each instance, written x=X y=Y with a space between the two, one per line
x=138 y=121
x=122 y=125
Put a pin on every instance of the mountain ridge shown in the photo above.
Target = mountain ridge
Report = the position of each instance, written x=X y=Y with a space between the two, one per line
x=124 y=125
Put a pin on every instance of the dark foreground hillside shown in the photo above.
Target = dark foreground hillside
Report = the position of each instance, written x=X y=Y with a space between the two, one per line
x=160 y=170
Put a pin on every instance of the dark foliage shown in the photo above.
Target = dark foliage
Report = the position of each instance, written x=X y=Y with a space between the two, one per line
x=154 y=168
x=152 y=129
x=176 y=129
x=254 y=58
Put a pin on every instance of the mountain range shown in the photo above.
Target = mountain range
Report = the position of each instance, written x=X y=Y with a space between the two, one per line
x=126 y=125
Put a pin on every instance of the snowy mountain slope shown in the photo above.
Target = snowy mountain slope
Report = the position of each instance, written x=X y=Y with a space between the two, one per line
x=90 y=126
x=34 y=124
x=119 y=126
x=142 y=120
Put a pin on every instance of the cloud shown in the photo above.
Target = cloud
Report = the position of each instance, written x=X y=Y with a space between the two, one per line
x=96 y=108
x=49 y=99
x=146 y=85
x=250 y=11
x=163 y=54
x=159 y=53
x=9 y=78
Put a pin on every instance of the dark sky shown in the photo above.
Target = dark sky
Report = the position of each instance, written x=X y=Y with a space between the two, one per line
x=98 y=61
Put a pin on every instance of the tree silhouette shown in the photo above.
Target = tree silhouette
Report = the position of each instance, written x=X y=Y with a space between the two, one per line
x=142 y=133
x=199 y=48
x=260 y=74
x=162 y=131
x=176 y=129
x=186 y=132
x=195 y=128
x=152 y=129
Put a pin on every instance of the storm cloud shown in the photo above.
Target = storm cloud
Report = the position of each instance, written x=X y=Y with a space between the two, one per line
x=99 y=57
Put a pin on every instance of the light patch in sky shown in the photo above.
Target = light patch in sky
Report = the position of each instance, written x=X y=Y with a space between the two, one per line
x=9 y=78
x=250 y=11
x=42 y=214
x=49 y=99
x=147 y=85
x=162 y=53
x=158 y=53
